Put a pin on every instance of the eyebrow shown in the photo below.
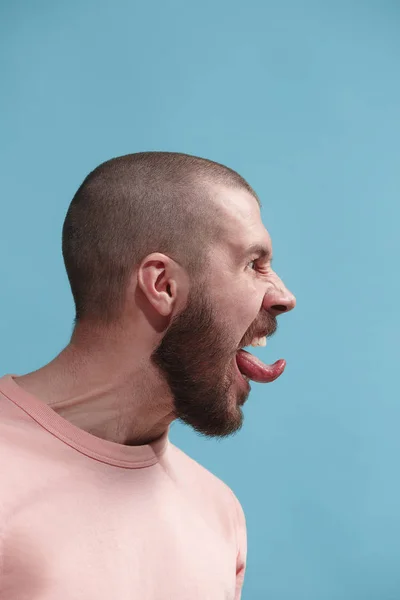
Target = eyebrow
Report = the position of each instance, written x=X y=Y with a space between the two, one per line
x=260 y=251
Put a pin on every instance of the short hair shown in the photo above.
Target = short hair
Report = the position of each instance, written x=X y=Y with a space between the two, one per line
x=134 y=205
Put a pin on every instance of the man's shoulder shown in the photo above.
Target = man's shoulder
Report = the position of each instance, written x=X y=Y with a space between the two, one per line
x=200 y=476
x=212 y=496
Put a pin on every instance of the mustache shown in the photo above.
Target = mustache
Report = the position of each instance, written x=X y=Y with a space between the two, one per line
x=267 y=328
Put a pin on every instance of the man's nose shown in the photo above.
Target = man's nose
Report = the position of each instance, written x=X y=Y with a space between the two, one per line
x=278 y=299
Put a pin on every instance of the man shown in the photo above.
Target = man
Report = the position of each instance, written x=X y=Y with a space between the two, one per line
x=170 y=270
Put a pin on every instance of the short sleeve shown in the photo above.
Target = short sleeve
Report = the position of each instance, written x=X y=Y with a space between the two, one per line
x=241 y=557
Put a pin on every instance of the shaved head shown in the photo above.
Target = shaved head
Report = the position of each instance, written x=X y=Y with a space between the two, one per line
x=132 y=206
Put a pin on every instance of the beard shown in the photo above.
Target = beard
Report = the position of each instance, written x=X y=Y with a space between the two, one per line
x=196 y=357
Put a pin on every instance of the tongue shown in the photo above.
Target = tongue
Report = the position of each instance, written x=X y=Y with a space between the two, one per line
x=256 y=370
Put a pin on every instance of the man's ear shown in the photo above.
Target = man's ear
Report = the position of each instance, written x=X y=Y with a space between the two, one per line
x=157 y=280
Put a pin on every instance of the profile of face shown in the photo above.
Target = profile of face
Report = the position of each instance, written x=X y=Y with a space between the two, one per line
x=239 y=300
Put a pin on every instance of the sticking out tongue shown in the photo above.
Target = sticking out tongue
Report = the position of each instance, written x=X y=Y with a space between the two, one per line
x=256 y=370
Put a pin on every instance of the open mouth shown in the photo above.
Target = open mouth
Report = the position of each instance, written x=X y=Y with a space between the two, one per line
x=253 y=368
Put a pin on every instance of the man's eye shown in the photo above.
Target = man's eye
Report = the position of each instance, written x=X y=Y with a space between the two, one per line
x=253 y=262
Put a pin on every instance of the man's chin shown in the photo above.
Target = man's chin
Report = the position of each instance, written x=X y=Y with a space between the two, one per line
x=212 y=424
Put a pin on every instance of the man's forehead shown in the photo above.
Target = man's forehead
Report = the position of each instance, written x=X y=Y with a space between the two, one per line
x=244 y=230
x=235 y=203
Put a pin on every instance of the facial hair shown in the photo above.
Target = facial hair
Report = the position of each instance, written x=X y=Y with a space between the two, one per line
x=196 y=358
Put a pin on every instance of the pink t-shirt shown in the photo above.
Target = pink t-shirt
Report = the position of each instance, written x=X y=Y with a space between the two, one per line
x=88 y=519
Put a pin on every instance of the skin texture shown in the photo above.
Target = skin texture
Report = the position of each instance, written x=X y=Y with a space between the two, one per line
x=173 y=353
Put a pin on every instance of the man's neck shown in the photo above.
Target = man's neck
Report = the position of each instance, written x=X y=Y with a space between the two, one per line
x=95 y=394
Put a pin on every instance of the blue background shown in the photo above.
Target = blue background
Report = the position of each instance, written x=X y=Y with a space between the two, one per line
x=302 y=98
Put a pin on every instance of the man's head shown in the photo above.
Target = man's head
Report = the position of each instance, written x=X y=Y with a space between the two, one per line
x=164 y=239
